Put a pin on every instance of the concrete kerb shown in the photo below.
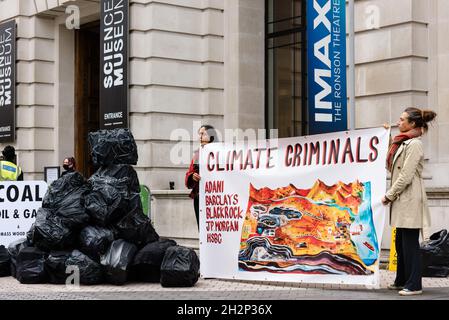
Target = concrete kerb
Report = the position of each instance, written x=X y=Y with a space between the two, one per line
x=9 y=284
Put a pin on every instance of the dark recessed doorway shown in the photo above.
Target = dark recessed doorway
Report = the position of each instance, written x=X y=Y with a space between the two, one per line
x=87 y=97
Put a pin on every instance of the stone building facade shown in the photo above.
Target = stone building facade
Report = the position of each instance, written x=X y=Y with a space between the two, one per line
x=204 y=61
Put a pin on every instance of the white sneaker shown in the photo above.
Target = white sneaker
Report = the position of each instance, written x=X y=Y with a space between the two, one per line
x=407 y=292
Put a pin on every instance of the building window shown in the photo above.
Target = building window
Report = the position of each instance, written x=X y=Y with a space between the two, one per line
x=286 y=87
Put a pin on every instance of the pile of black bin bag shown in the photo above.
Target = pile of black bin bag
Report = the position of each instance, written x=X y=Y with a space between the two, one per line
x=435 y=255
x=98 y=227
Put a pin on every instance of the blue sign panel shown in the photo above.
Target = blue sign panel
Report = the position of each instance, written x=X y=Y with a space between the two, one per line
x=326 y=53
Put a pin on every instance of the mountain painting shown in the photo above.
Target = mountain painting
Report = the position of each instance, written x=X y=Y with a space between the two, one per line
x=322 y=230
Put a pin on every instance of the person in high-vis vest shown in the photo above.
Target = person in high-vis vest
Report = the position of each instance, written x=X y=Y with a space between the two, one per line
x=9 y=170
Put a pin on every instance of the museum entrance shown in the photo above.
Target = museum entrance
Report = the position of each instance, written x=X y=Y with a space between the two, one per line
x=87 y=97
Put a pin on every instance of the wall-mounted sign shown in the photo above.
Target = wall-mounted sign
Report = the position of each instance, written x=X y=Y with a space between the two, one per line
x=7 y=81
x=326 y=37
x=51 y=174
x=114 y=64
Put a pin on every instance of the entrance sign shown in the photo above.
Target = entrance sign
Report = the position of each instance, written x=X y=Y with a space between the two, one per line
x=114 y=30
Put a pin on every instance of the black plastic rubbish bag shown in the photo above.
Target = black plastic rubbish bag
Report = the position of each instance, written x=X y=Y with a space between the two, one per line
x=120 y=171
x=435 y=255
x=147 y=262
x=30 y=234
x=90 y=272
x=115 y=146
x=55 y=266
x=135 y=203
x=72 y=211
x=50 y=233
x=117 y=261
x=5 y=262
x=435 y=271
x=180 y=267
x=65 y=198
x=61 y=188
x=136 y=227
x=108 y=201
x=94 y=241
x=13 y=250
x=30 y=266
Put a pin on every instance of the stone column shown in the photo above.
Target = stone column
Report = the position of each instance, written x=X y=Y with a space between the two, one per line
x=244 y=97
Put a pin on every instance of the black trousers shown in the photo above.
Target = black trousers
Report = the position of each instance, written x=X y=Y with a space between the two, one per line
x=196 y=206
x=409 y=268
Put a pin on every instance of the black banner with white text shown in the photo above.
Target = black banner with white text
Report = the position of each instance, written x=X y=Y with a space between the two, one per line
x=7 y=81
x=114 y=64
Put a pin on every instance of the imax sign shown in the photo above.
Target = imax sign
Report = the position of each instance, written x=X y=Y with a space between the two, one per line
x=326 y=38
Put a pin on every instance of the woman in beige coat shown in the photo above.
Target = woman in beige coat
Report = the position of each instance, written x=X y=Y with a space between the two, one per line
x=407 y=198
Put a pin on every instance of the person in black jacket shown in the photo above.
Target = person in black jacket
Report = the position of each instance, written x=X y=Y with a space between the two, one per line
x=206 y=134
x=69 y=165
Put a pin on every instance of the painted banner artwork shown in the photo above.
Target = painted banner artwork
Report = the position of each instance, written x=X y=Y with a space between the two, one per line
x=303 y=209
x=322 y=230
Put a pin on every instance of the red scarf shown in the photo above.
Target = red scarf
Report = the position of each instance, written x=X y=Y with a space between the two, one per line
x=413 y=133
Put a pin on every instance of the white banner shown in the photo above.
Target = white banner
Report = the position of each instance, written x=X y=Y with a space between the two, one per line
x=303 y=209
x=19 y=202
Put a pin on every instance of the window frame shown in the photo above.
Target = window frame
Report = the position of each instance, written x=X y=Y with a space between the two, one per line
x=302 y=31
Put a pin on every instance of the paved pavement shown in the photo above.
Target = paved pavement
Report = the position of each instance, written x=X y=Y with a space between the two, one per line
x=213 y=289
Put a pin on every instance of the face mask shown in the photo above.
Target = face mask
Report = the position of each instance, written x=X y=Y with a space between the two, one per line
x=66 y=167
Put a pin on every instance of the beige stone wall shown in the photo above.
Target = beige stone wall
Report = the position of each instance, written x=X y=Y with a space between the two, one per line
x=400 y=60
x=176 y=81
x=34 y=90
x=391 y=67
x=244 y=64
